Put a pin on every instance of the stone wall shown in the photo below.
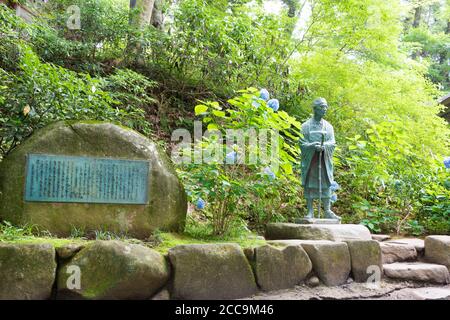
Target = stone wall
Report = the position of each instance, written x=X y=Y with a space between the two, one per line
x=121 y=270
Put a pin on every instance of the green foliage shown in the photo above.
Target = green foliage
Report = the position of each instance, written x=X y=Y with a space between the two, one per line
x=8 y=232
x=224 y=47
x=101 y=37
x=426 y=38
x=367 y=29
x=130 y=88
x=433 y=48
x=231 y=183
x=387 y=130
x=106 y=235
x=435 y=200
x=131 y=91
x=41 y=93
x=376 y=70
x=11 y=28
x=400 y=183
x=34 y=93
x=77 y=232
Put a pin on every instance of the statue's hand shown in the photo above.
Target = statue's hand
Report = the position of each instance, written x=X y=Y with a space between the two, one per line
x=319 y=148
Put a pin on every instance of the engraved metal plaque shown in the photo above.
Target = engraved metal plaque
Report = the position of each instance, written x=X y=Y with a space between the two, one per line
x=54 y=178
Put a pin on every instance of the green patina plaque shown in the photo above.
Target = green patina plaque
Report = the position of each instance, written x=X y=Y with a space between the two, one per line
x=56 y=178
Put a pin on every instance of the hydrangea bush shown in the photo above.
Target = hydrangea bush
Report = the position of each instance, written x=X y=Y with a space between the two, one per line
x=393 y=189
x=227 y=188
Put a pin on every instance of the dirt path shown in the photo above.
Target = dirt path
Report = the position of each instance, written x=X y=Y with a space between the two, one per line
x=360 y=291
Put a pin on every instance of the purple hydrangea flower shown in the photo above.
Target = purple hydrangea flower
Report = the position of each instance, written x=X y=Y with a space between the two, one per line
x=231 y=157
x=264 y=94
x=334 y=197
x=274 y=104
x=334 y=186
x=269 y=173
x=447 y=162
x=201 y=204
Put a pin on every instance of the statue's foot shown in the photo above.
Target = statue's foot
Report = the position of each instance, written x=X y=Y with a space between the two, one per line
x=331 y=215
x=310 y=215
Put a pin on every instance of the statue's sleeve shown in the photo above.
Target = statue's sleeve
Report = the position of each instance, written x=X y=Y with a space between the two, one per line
x=329 y=146
x=330 y=143
x=305 y=143
x=307 y=152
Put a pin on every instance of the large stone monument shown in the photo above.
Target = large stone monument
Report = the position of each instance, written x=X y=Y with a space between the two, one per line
x=91 y=176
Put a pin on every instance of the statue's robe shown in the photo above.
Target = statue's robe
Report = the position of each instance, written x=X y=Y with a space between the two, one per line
x=312 y=132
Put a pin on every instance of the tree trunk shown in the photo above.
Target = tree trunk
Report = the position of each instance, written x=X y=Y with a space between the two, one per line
x=443 y=55
x=140 y=17
x=141 y=14
x=416 y=23
x=157 y=19
x=293 y=7
x=417 y=16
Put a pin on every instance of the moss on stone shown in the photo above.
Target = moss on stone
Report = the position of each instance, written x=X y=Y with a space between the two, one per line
x=331 y=261
x=27 y=271
x=211 y=271
x=281 y=267
x=170 y=240
x=115 y=270
x=364 y=253
x=55 y=242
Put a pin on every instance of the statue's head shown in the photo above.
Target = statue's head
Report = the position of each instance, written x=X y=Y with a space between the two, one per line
x=320 y=107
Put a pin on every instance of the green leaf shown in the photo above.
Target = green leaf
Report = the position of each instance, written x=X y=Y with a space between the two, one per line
x=215 y=105
x=217 y=113
x=213 y=126
x=200 y=109
x=287 y=167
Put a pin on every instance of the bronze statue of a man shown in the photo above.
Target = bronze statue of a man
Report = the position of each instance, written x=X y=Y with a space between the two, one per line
x=317 y=146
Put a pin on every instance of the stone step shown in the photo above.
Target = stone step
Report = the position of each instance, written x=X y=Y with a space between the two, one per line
x=427 y=293
x=380 y=237
x=418 y=244
x=397 y=252
x=317 y=221
x=417 y=271
x=437 y=250
x=329 y=258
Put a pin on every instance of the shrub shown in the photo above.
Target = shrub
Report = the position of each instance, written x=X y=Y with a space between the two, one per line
x=40 y=93
x=226 y=179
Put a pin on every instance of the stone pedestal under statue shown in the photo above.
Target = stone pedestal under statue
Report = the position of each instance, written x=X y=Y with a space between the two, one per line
x=332 y=232
x=317 y=221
